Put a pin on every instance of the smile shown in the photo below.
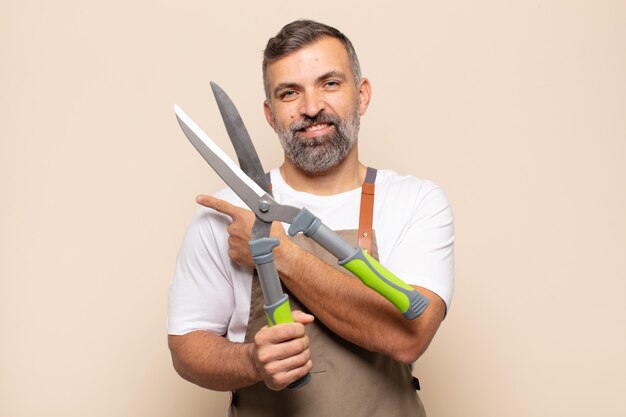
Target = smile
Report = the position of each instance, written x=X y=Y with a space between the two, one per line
x=316 y=126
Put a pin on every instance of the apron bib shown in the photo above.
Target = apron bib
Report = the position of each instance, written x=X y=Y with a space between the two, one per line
x=347 y=380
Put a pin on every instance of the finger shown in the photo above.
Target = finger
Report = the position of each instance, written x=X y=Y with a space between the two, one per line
x=278 y=229
x=279 y=333
x=222 y=206
x=288 y=363
x=280 y=380
x=285 y=350
x=302 y=317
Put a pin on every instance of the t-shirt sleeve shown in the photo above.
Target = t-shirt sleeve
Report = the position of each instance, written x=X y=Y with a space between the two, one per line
x=424 y=256
x=201 y=292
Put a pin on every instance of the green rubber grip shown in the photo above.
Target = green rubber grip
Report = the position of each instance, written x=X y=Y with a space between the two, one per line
x=406 y=299
x=279 y=312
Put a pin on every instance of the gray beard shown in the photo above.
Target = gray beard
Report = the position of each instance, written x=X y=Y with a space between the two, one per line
x=320 y=154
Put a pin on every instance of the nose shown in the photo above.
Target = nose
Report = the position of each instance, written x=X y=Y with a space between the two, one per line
x=312 y=103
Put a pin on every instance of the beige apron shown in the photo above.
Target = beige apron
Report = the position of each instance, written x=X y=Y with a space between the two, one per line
x=347 y=380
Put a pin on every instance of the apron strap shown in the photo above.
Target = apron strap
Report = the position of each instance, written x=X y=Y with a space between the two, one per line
x=268 y=180
x=366 y=215
x=366 y=212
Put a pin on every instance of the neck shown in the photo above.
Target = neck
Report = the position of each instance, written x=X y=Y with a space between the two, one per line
x=346 y=176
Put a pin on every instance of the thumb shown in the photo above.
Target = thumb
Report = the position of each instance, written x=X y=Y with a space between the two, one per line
x=302 y=317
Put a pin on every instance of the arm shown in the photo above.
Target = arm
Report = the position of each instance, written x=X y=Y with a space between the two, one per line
x=350 y=309
x=278 y=356
x=202 y=299
x=355 y=312
x=212 y=362
x=424 y=250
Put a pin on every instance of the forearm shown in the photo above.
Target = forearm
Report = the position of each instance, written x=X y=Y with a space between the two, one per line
x=354 y=311
x=213 y=362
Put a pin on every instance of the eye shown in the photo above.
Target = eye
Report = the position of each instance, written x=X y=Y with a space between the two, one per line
x=288 y=95
x=332 y=84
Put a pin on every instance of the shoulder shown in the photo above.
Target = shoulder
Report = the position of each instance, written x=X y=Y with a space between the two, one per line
x=416 y=232
x=396 y=182
x=408 y=191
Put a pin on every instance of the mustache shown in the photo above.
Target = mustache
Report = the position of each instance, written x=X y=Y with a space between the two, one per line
x=321 y=117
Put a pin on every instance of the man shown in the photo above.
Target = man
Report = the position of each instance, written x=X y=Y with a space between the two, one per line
x=355 y=344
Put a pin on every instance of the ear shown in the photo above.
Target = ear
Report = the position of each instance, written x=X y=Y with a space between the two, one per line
x=365 y=95
x=268 y=113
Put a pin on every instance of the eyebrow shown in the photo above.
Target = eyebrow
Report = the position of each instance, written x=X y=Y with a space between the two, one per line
x=330 y=74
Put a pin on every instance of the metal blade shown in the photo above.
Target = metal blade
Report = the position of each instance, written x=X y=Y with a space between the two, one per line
x=246 y=153
x=241 y=184
x=260 y=202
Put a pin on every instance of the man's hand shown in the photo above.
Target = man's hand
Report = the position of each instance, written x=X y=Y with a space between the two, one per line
x=239 y=230
x=278 y=356
x=281 y=353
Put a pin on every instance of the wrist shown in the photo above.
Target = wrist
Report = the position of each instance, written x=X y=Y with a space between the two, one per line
x=251 y=355
x=285 y=254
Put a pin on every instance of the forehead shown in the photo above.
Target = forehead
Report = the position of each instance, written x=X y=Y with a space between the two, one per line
x=310 y=62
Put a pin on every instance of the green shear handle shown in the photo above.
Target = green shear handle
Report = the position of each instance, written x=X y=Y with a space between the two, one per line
x=406 y=299
x=277 y=309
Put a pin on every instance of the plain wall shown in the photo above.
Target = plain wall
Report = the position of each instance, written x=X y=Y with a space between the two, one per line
x=516 y=108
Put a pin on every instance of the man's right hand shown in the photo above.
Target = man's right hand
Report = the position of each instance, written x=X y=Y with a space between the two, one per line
x=281 y=353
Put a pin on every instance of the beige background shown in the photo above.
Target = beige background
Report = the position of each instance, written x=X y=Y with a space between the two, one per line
x=516 y=108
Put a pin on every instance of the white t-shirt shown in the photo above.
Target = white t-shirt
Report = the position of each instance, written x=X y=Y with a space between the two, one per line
x=414 y=234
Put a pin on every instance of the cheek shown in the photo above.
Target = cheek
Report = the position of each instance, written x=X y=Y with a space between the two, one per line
x=343 y=105
x=286 y=115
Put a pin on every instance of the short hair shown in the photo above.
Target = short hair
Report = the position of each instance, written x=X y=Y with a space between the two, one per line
x=301 y=33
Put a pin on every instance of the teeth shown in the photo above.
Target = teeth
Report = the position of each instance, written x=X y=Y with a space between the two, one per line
x=317 y=126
